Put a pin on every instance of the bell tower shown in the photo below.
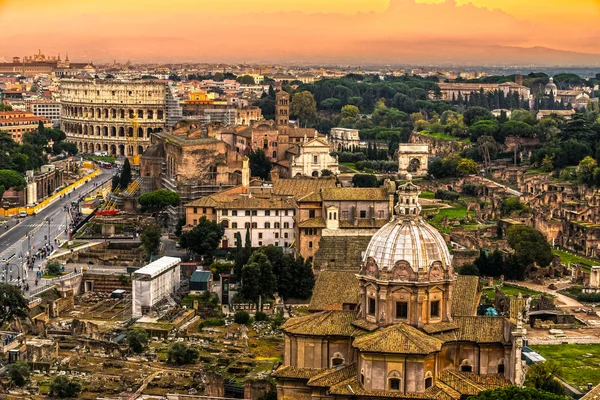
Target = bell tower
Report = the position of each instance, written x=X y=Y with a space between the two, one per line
x=282 y=108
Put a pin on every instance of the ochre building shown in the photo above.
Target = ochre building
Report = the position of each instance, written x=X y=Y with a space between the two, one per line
x=413 y=333
x=112 y=116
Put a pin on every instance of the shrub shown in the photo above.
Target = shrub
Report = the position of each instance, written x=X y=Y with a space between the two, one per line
x=260 y=316
x=449 y=195
x=53 y=268
x=212 y=322
x=241 y=317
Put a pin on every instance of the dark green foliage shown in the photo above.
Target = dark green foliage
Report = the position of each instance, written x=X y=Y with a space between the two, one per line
x=449 y=195
x=260 y=165
x=179 y=226
x=53 y=268
x=474 y=114
x=64 y=387
x=258 y=280
x=513 y=204
x=115 y=182
x=490 y=264
x=541 y=376
x=365 y=181
x=137 y=339
x=471 y=189
x=260 y=316
x=19 y=373
x=158 y=200
x=12 y=303
x=589 y=297
x=517 y=393
x=180 y=354
x=151 y=239
x=241 y=317
x=10 y=179
x=529 y=245
x=468 y=269
x=125 y=178
x=203 y=238
x=295 y=278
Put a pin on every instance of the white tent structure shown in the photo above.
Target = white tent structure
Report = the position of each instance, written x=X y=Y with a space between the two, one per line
x=154 y=282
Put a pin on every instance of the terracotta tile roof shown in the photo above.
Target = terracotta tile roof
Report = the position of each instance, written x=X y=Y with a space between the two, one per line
x=325 y=323
x=593 y=394
x=351 y=387
x=400 y=339
x=313 y=197
x=208 y=201
x=440 y=327
x=333 y=289
x=355 y=194
x=300 y=186
x=460 y=383
x=476 y=329
x=318 y=222
x=490 y=381
x=363 y=223
x=366 y=325
x=466 y=296
x=270 y=203
x=333 y=376
x=288 y=371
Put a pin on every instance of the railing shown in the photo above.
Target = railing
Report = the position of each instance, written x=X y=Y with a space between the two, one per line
x=65 y=277
x=39 y=290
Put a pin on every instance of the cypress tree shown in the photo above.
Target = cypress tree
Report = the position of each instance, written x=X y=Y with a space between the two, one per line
x=125 y=175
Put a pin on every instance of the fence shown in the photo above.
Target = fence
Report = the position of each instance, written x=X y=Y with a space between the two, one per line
x=35 y=209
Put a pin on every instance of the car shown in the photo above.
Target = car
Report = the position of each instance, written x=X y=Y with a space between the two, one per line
x=23 y=214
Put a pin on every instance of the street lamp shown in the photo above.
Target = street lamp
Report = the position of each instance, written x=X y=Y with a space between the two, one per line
x=48 y=220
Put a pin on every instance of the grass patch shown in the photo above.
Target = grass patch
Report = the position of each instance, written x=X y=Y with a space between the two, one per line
x=427 y=195
x=444 y=136
x=457 y=211
x=103 y=158
x=510 y=290
x=74 y=244
x=580 y=362
x=569 y=258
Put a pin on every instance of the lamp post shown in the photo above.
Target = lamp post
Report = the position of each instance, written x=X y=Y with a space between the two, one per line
x=49 y=221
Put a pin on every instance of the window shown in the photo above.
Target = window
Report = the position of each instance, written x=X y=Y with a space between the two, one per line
x=466 y=368
x=267 y=213
x=371 y=309
x=259 y=244
x=195 y=222
x=363 y=213
x=401 y=310
x=247 y=213
x=234 y=225
x=337 y=359
x=380 y=214
x=204 y=211
x=254 y=225
x=315 y=159
x=247 y=225
x=344 y=214
x=234 y=213
x=500 y=368
x=311 y=214
x=362 y=377
x=225 y=212
x=267 y=225
x=277 y=244
x=195 y=210
x=310 y=245
x=276 y=213
x=260 y=235
x=286 y=213
x=286 y=225
x=276 y=235
x=285 y=235
x=225 y=223
x=277 y=225
x=254 y=213
x=394 y=384
x=428 y=382
x=435 y=309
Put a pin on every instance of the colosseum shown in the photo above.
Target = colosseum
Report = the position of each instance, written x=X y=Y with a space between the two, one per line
x=104 y=115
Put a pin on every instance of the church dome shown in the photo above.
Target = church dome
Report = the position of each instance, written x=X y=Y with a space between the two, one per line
x=551 y=87
x=407 y=239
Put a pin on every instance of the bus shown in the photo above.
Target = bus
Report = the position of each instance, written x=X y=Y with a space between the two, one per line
x=105 y=165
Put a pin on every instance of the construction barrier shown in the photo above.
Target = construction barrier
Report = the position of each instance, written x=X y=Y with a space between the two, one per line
x=35 y=209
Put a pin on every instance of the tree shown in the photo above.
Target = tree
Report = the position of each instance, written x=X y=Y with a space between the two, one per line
x=53 y=268
x=125 y=175
x=203 y=238
x=529 y=245
x=304 y=106
x=151 y=239
x=350 y=111
x=115 y=182
x=258 y=280
x=547 y=164
x=542 y=376
x=516 y=393
x=326 y=172
x=241 y=317
x=63 y=387
x=137 y=339
x=245 y=80
x=180 y=354
x=586 y=169
x=158 y=200
x=474 y=114
x=466 y=166
x=260 y=165
x=10 y=179
x=12 y=303
x=512 y=204
x=365 y=181
x=19 y=373
x=468 y=269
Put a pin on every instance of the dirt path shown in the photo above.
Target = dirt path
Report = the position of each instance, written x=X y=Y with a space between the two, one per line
x=566 y=301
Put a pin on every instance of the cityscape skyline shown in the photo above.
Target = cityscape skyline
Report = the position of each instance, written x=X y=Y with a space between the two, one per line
x=478 y=32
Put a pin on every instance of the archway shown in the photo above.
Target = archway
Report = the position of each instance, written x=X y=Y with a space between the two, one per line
x=140 y=132
x=315 y=173
x=121 y=149
x=113 y=149
x=140 y=150
x=105 y=147
x=414 y=165
x=113 y=131
x=121 y=131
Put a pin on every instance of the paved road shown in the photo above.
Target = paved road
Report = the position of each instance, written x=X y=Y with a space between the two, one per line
x=566 y=301
x=14 y=243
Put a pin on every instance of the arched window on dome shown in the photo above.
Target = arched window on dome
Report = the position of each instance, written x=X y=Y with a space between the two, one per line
x=466 y=366
x=337 y=359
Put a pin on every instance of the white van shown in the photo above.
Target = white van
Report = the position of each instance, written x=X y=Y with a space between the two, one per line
x=22 y=214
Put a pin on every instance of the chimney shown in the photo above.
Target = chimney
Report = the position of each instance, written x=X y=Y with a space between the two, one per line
x=246 y=174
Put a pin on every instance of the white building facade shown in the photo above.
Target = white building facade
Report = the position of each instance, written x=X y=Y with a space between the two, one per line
x=313 y=157
x=154 y=282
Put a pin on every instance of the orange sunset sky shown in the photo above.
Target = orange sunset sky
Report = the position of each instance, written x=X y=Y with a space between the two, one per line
x=358 y=32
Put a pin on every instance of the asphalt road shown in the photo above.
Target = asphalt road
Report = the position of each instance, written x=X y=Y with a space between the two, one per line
x=43 y=228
